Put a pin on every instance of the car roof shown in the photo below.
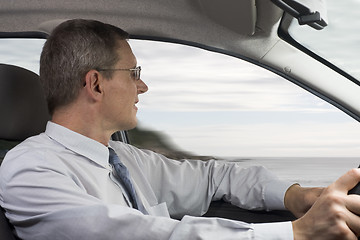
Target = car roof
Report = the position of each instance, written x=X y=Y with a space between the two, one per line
x=246 y=29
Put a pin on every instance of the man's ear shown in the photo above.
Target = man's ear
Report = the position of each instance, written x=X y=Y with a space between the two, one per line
x=94 y=84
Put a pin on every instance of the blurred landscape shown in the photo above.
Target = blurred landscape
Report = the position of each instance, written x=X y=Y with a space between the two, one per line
x=307 y=171
x=159 y=142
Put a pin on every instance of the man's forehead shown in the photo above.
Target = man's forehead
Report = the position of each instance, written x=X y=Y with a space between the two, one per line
x=126 y=54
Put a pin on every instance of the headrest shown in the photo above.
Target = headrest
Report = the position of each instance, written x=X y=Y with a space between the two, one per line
x=23 y=108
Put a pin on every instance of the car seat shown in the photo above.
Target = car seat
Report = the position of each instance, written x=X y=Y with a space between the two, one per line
x=24 y=113
x=23 y=106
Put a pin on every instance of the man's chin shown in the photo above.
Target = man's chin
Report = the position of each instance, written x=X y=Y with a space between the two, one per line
x=130 y=126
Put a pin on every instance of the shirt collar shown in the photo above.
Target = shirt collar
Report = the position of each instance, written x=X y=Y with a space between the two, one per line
x=78 y=143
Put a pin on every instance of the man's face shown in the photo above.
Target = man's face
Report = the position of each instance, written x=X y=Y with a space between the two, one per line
x=121 y=92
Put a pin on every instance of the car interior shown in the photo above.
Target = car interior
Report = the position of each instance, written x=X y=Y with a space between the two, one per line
x=22 y=98
x=253 y=30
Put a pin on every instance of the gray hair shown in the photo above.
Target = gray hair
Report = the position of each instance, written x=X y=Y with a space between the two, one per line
x=73 y=49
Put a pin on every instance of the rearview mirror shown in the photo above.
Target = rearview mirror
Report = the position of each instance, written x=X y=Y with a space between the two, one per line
x=310 y=12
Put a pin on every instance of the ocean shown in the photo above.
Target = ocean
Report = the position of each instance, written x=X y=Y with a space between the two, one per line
x=308 y=172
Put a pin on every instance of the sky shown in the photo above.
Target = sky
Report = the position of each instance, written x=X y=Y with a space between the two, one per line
x=211 y=104
x=218 y=105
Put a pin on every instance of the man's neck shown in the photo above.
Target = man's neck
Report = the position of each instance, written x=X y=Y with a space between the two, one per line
x=82 y=122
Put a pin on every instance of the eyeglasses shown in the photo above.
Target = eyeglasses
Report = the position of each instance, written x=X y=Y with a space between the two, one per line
x=135 y=72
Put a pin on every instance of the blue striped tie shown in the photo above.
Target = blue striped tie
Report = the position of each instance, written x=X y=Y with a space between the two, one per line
x=122 y=174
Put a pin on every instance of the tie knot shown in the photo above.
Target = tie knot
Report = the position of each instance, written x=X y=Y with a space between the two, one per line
x=113 y=157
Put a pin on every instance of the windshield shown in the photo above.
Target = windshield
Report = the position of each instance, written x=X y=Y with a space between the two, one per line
x=339 y=41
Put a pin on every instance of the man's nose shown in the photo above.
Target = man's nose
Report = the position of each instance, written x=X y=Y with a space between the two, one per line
x=141 y=87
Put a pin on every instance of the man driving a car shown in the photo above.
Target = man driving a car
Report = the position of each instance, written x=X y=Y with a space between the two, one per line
x=73 y=182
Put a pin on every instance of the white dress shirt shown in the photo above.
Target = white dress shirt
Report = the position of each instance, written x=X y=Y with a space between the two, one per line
x=59 y=185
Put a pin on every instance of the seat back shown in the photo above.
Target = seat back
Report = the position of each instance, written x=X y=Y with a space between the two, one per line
x=22 y=103
x=23 y=113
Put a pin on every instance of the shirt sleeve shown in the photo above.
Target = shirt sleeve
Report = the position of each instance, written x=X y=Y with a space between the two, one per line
x=188 y=186
x=273 y=231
